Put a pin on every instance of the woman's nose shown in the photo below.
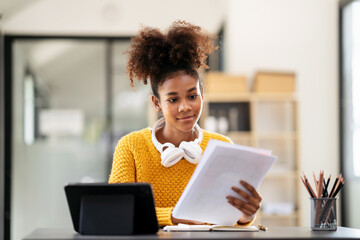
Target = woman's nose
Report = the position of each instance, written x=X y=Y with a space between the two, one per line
x=184 y=106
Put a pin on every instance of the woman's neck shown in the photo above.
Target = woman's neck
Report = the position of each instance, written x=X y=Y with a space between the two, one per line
x=164 y=135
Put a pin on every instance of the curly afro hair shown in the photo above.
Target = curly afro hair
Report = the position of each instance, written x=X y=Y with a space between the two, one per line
x=154 y=55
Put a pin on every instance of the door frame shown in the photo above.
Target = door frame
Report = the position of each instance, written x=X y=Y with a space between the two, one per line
x=6 y=126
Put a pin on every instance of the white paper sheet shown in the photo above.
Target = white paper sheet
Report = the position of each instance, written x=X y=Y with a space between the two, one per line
x=222 y=166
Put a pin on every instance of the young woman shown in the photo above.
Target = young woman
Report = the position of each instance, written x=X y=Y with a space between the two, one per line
x=166 y=155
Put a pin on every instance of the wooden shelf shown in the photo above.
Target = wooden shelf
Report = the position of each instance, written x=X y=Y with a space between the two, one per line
x=249 y=96
x=228 y=97
x=272 y=123
x=274 y=97
x=277 y=135
x=239 y=133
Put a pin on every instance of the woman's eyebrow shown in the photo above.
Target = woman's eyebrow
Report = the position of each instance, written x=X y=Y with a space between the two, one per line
x=192 y=89
x=171 y=93
x=175 y=93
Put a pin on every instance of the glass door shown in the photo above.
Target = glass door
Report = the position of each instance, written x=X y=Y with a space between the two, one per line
x=71 y=103
x=59 y=128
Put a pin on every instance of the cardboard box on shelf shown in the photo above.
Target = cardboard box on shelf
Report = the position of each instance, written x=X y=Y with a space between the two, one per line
x=274 y=82
x=217 y=82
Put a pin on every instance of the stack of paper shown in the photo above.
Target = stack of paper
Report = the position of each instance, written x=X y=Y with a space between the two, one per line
x=222 y=166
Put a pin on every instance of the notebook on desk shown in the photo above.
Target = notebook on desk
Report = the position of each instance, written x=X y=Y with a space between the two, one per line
x=112 y=209
x=205 y=228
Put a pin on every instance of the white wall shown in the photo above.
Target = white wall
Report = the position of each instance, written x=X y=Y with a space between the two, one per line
x=112 y=17
x=299 y=36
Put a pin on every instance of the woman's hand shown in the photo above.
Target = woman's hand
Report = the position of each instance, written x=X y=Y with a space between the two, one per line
x=184 y=221
x=248 y=207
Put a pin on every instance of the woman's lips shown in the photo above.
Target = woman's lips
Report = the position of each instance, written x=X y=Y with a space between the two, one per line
x=184 y=118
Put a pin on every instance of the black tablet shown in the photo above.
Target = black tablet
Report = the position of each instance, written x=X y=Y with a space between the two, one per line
x=112 y=209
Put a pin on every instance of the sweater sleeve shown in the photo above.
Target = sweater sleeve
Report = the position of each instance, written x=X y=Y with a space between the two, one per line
x=123 y=170
x=246 y=224
x=164 y=216
x=123 y=166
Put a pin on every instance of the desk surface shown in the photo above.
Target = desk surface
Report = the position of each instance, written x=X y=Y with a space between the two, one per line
x=273 y=233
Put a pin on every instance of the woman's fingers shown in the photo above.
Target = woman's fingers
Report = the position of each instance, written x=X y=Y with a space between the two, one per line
x=243 y=209
x=250 y=199
x=241 y=205
x=254 y=200
x=251 y=202
x=251 y=189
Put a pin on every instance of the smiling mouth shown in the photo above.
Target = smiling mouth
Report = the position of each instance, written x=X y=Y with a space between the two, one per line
x=186 y=117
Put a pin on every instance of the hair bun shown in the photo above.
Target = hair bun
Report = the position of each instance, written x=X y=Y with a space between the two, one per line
x=152 y=53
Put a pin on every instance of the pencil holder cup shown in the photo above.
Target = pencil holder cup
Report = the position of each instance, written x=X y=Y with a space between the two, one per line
x=323 y=214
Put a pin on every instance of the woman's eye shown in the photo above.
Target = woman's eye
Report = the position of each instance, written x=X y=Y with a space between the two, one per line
x=172 y=100
x=192 y=97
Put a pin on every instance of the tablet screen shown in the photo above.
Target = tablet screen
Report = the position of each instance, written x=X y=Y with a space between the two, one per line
x=112 y=209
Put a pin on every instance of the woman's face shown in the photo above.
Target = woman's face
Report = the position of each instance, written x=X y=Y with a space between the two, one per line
x=180 y=102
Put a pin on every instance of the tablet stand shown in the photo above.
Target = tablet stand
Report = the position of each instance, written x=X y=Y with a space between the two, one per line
x=107 y=214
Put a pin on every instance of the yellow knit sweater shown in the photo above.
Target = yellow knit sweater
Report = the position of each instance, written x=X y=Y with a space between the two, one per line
x=137 y=160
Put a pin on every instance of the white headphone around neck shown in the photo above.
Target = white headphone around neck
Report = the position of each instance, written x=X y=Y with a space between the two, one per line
x=191 y=151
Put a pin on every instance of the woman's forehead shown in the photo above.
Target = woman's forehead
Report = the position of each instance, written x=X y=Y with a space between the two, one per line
x=182 y=82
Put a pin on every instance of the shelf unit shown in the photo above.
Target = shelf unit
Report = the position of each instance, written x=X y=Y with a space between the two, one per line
x=269 y=121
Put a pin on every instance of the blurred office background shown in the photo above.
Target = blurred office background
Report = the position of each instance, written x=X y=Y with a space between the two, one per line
x=66 y=100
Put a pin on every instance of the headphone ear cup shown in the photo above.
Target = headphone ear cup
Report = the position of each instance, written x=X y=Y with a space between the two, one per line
x=192 y=151
x=171 y=156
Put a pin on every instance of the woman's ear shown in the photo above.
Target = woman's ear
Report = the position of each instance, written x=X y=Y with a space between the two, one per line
x=156 y=103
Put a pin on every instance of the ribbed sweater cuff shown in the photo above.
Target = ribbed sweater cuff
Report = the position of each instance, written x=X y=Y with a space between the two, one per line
x=248 y=223
x=164 y=216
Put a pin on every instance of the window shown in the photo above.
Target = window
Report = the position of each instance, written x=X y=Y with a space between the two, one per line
x=350 y=85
